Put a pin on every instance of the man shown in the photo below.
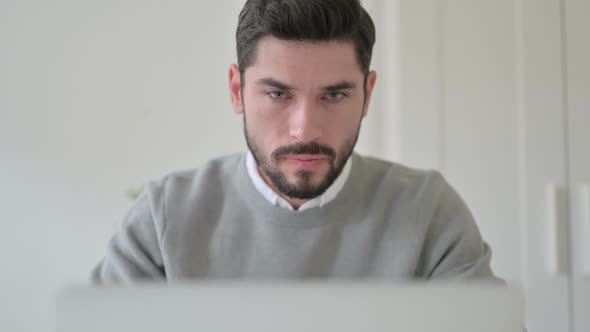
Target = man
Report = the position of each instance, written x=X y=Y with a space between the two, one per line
x=300 y=203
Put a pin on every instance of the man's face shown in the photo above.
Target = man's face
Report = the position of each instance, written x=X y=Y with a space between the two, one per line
x=303 y=103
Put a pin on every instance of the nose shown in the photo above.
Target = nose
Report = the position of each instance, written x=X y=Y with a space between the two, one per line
x=305 y=123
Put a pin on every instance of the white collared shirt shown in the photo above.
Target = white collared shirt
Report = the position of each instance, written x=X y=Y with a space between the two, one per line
x=277 y=200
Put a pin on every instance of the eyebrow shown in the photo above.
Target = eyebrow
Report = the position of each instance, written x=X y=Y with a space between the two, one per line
x=274 y=83
x=343 y=85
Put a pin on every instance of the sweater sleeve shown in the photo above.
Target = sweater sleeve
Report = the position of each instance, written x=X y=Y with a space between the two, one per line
x=454 y=247
x=133 y=253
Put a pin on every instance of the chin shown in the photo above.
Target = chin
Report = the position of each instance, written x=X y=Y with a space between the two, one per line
x=313 y=177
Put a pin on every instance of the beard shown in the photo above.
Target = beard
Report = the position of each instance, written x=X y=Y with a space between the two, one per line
x=303 y=187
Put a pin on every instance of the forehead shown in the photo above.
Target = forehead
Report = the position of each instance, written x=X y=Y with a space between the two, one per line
x=305 y=61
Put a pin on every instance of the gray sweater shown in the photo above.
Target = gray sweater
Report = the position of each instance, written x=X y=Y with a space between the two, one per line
x=387 y=222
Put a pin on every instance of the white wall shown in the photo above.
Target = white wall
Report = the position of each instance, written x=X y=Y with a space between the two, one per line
x=97 y=97
x=461 y=111
x=488 y=87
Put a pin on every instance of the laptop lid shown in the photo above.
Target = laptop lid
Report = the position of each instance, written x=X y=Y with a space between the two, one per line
x=291 y=307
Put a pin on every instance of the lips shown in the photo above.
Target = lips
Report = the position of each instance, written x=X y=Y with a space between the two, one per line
x=305 y=157
x=305 y=162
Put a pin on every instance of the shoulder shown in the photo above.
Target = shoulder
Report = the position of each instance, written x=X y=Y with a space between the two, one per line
x=387 y=176
x=211 y=171
x=217 y=168
x=424 y=193
x=210 y=179
x=437 y=204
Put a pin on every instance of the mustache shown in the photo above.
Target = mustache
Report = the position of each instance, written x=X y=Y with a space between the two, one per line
x=308 y=148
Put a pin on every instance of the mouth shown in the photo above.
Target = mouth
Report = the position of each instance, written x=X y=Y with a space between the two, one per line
x=305 y=161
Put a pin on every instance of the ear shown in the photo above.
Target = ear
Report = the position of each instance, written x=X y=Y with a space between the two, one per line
x=371 y=79
x=235 y=89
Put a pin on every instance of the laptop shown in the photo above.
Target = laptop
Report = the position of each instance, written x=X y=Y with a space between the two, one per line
x=291 y=307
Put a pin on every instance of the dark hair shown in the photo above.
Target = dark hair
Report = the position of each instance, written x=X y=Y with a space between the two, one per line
x=305 y=20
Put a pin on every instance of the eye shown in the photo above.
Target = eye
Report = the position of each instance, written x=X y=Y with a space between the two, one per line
x=277 y=95
x=334 y=96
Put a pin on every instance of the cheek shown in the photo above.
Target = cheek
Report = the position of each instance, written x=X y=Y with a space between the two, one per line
x=267 y=124
x=343 y=123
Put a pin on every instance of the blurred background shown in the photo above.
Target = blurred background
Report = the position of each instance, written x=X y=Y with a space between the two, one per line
x=99 y=97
